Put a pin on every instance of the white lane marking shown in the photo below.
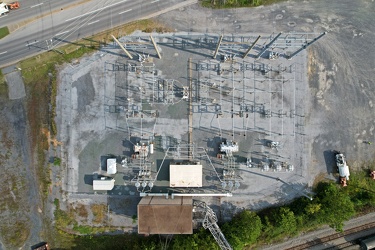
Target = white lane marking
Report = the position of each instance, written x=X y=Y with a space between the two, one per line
x=125 y=11
x=3 y=52
x=93 y=22
x=32 y=43
x=36 y=5
x=88 y=13
x=155 y=1
x=62 y=33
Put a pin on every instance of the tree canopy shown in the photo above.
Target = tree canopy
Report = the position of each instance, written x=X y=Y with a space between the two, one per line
x=244 y=229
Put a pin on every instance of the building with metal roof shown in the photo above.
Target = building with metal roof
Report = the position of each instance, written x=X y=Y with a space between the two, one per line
x=159 y=215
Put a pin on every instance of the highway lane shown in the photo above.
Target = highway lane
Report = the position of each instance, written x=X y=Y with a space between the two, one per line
x=70 y=26
x=30 y=9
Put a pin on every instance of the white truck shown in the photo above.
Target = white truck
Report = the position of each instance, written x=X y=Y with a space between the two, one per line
x=342 y=168
x=5 y=7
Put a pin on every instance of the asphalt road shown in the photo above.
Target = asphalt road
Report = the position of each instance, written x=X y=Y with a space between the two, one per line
x=74 y=23
x=32 y=8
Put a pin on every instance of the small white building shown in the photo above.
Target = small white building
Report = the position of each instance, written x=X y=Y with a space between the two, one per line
x=185 y=175
x=111 y=166
x=228 y=147
x=103 y=184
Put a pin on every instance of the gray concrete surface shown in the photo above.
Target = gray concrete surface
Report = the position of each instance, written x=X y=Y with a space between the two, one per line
x=16 y=86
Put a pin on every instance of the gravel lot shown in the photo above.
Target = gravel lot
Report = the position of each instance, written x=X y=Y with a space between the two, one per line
x=338 y=114
x=340 y=108
x=20 y=210
x=336 y=100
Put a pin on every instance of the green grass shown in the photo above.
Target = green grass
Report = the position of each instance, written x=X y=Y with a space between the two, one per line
x=15 y=233
x=134 y=219
x=4 y=31
x=361 y=189
x=237 y=3
x=83 y=229
x=57 y=161
x=3 y=85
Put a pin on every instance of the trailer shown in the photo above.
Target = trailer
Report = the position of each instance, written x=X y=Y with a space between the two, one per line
x=13 y=5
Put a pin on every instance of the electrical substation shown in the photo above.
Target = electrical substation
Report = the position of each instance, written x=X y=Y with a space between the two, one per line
x=186 y=120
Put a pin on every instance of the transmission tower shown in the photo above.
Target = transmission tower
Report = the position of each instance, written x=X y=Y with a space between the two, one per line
x=210 y=222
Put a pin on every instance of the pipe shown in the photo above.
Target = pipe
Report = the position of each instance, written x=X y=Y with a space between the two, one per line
x=154 y=194
x=178 y=194
x=203 y=195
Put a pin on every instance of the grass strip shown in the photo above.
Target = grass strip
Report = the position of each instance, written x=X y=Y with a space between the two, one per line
x=222 y=4
x=4 y=31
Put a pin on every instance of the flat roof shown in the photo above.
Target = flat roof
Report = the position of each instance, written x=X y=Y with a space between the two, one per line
x=158 y=215
x=185 y=175
x=111 y=166
x=103 y=184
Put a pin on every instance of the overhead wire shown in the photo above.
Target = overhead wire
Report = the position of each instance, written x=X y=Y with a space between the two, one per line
x=80 y=22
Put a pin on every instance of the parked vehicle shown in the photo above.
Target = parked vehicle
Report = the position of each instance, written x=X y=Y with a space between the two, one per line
x=5 y=7
x=342 y=168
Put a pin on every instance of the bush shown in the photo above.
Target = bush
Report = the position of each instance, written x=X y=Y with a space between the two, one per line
x=243 y=230
x=336 y=205
x=56 y=161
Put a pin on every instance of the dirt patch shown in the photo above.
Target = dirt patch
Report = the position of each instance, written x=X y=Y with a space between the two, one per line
x=51 y=141
x=99 y=213
x=320 y=178
x=82 y=211
x=18 y=206
x=15 y=233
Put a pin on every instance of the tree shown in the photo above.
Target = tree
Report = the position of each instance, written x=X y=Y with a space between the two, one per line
x=199 y=240
x=336 y=206
x=244 y=229
x=285 y=221
x=313 y=208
